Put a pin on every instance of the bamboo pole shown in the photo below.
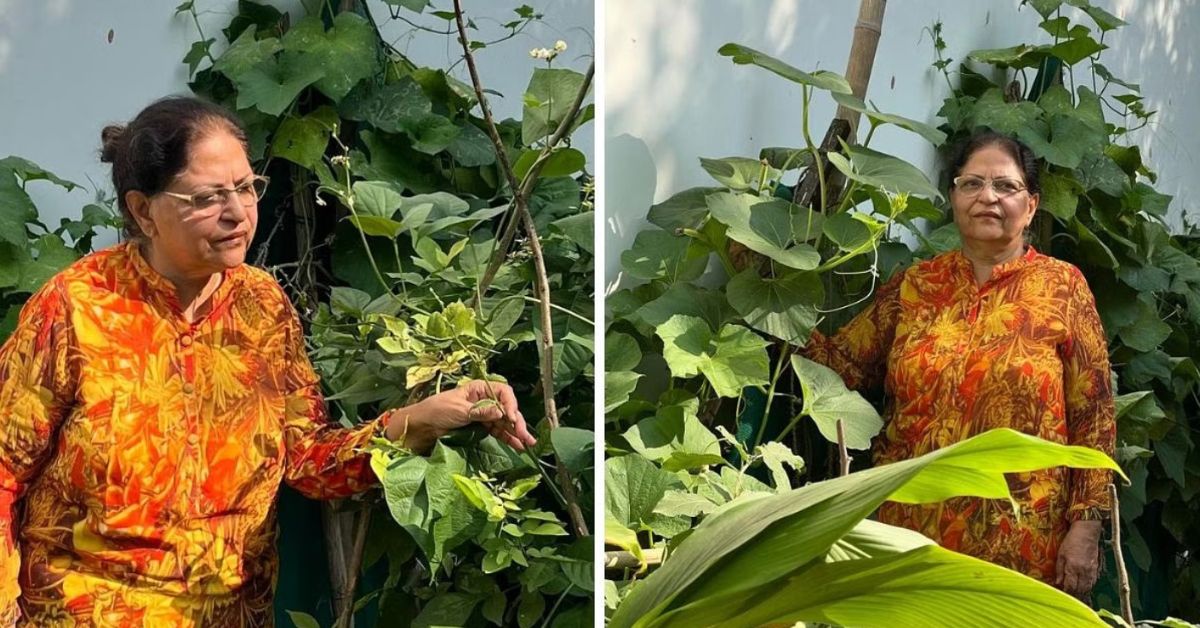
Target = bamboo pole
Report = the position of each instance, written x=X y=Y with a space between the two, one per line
x=862 y=55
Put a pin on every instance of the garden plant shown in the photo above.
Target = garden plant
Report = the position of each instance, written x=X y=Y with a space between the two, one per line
x=712 y=416
x=423 y=242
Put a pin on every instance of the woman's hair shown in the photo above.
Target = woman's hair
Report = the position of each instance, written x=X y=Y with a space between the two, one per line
x=152 y=149
x=1020 y=153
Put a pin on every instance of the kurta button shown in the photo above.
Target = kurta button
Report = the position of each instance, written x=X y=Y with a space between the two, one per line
x=193 y=439
x=186 y=340
x=188 y=388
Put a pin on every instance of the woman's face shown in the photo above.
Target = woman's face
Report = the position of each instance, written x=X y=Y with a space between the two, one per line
x=198 y=240
x=986 y=217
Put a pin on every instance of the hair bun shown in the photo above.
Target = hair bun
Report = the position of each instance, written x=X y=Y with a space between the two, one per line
x=110 y=139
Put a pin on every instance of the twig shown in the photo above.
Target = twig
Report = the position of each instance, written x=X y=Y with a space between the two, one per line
x=356 y=559
x=541 y=283
x=621 y=560
x=1122 y=573
x=520 y=200
x=843 y=455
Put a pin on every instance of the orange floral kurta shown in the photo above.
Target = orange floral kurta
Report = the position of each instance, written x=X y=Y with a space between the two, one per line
x=1024 y=351
x=140 y=454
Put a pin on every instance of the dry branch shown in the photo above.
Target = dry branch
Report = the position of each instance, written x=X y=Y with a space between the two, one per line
x=1122 y=573
x=519 y=212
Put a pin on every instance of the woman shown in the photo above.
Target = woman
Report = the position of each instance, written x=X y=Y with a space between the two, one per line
x=993 y=335
x=155 y=393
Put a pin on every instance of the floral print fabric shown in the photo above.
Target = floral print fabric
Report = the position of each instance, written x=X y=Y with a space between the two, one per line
x=140 y=454
x=1025 y=351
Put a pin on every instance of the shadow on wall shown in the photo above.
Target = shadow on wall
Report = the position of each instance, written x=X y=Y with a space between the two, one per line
x=629 y=165
x=669 y=91
x=1161 y=54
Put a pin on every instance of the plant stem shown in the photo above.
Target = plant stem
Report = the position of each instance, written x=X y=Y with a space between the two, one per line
x=557 y=603
x=541 y=283
x=565 y=311
x=1122 y=573
x=779 y=367
x=356 y=558
x=843 y=454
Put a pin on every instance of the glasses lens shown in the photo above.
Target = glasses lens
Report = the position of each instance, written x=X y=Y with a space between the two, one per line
x=970 y=185
x=259 y=185
x=1004 y=187
x=205 y=200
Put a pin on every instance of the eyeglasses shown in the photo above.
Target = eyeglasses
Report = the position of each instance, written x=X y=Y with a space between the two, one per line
x=249 y=192
x=971 y=185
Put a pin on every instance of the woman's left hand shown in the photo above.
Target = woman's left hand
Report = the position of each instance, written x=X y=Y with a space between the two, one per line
x=421 y=424
x=1079 y=559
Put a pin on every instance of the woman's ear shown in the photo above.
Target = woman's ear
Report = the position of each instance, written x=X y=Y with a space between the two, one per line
x=1034 y=201
x=139 y=205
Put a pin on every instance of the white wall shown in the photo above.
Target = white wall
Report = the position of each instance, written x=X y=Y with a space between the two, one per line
x=671 y=99
x=61 y=80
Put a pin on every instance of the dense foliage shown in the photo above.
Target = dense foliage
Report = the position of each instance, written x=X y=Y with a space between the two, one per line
x=385 y=221
x=698 y=384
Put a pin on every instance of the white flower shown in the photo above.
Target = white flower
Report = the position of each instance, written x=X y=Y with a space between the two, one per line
x=560 y=45
x=536 y=53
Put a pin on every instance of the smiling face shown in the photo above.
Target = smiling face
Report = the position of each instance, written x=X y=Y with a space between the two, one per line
x=195 y=242
x=987 y=219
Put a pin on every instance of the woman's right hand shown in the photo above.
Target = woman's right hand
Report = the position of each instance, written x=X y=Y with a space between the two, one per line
x=491 y=404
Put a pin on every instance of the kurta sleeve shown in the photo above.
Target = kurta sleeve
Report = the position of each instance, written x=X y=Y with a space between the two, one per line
x=858 y=351
x=1087 y=386
x=37 y=387
x=323 y=460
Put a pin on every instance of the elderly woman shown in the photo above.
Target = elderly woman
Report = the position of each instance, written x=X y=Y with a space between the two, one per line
x=155 y=393
x=993 y=335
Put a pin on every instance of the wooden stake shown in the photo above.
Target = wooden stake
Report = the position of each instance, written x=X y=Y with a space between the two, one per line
x=862 y=55
x=1122 y=573
x=843 y=454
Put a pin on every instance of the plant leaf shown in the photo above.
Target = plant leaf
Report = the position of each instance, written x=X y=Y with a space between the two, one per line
x=821 y=79
x=827 y=400
x=731 y=359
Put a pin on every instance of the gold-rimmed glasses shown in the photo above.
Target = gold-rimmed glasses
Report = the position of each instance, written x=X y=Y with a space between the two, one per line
x=248 y=192
x=971 y=185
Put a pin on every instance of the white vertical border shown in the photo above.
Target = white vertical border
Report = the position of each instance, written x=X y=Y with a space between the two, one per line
x=598 y=313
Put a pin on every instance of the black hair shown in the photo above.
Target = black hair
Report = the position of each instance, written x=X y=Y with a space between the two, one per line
x=153 y=148
x=1020 y=153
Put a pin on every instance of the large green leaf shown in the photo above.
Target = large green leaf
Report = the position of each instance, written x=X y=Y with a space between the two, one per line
x=854 y=103
x=685 y=298
x=246 y=53
x=618 y=386
x=784 y=307
x=632 y=488
x=754 y=545
x=827 y=401
x=871 y=167
x=737 y=173
x=390 y=108
x=675 y=438
x=16 y=209
x=547 y=100
x=731 y=359
x=346 y=54
x=821 y=79
x=272 y=85
x=992 y=111
x=621 y=352
x=924 y=587
x=658 y=254
x=768 y=226
x=51 y=255
x=30 y=171
x=687 y=209
x=303 y=140
x=1060 y=195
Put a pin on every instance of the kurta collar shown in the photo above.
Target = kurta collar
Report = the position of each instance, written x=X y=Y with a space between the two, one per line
x=1000 y=271
x=159 y=289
